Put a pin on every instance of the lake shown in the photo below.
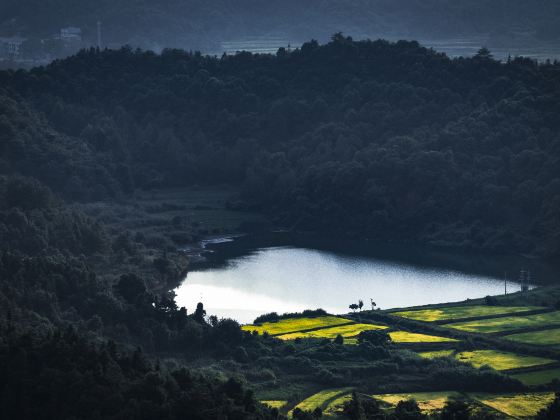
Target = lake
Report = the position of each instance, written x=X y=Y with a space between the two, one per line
x=246 y=277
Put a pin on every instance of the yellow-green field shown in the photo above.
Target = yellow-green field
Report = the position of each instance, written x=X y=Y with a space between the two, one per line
x=275 y=403
x=291 y=325
x=427 y=401
x=516 y=405
x=334 y=407
x=540 y=377
x=436 y=353
x=500 y=360
x=408 y=337
x=510 y=323
x=350 y=330
x=459 y=312
x=541 y=338
x=322 y=399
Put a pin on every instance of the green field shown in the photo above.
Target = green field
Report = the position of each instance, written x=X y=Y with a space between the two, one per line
x=334 y=407
x=541 y=338
x=500 y=360
x=459 y=312
x=427 y=401
x=436 y=353
x=540 y=377
x=275 y=403
x=408 y=337
x=510 y=323
x=350 y=330
x=291 y=325
x=516 y=405
x=323 y=399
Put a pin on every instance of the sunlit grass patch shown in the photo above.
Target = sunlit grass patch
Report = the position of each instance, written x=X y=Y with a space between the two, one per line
x=510 y=323
x=516 y=405
x=322 y=399
x=427 y=401
x=459 y=312
x=540 y=377
x=408 y=337
x=335 y=406
x=436 y=354
x=500 y=360
x=543 y=338
x=291 y=325
x=274 y=403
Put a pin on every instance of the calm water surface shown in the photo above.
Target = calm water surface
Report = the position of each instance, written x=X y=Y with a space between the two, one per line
x=244 y=284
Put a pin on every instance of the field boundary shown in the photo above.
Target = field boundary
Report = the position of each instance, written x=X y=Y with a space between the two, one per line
x=480 y=318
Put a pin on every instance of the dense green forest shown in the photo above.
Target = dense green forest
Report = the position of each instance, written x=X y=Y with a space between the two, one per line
x=381 y=140
x=199 y=24
x=371 y=139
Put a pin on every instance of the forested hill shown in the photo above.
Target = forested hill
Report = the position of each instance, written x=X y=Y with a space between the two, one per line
x=375 y=139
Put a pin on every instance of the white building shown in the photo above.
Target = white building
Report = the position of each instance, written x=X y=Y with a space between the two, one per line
x=10 y=47
x=71 y=33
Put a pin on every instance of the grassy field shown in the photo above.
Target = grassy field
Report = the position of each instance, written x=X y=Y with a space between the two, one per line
x=275 y=403
x=323 y=399
x=510 y=323
x=516 y=405
x=436 y=353
x=541 y=338
x=540 y=377
x=349 y=330
x=500 y=360
x=334 y=407
x=408 y=337
x=427 y=401
x=291 y=325
x=459 y=312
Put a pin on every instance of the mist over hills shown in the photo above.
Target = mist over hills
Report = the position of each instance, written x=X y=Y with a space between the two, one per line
x=201 y=25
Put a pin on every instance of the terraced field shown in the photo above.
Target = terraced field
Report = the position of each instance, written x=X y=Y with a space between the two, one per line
x=509 y=323
x=541 y=338
x=540 y=377
x=436 y=353
x=427 y=401
x=460 y=312
x=275 y=403
x=350 y=330
x=516 y=405
x=500 y=360
x=291 y=325
x=323 y=399
x=409 y=337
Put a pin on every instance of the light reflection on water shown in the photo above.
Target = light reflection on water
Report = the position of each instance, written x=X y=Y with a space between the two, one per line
x=283 y=279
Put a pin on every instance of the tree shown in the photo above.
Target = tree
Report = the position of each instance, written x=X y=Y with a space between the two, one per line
x=339 y=339
x=375 y=337
x=199 y=313
x=360 y=304
x=551 y=412
x=408 y=410
x=353 y=306
x=131 y=287
x=455 y=410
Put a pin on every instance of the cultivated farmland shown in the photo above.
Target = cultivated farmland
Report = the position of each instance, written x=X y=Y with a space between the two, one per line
x=500 y=360
x=409 y=337
x=427 y=401
x=459 y=312
x=539 y=377
x=510 y=323
x=323 y=399
x=291 y=325
x=516 y=405
x=349 y=330
x=541 y=338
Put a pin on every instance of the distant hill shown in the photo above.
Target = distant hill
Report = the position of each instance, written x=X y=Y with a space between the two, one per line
x=197 y=24
x=370 y=139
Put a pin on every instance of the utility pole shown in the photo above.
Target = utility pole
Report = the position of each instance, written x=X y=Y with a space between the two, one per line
x=505 y=282
x=99 y=34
